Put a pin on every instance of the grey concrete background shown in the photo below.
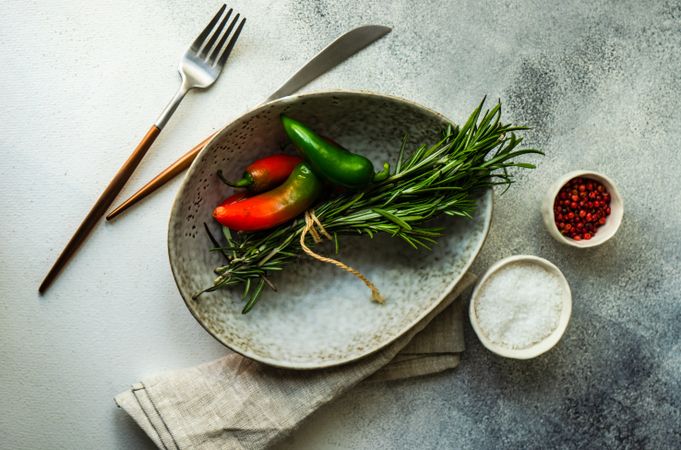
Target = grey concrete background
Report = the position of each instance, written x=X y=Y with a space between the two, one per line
x=598 y=82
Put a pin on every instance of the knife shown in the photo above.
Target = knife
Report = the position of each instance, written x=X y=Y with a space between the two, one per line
x=335 y=53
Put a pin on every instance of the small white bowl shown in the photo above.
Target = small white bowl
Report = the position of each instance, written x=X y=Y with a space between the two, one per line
x=613 y=221
x=549 y=341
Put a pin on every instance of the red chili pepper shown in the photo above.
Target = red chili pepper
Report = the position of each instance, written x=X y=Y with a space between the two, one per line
x=235 y=198
x=266 y=173
x=272 y=208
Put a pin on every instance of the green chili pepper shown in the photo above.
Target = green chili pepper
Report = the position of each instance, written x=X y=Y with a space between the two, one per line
x=271 y=208
x=329 y=160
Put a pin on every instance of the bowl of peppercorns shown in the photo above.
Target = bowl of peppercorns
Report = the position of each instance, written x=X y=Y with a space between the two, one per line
x=583 y=209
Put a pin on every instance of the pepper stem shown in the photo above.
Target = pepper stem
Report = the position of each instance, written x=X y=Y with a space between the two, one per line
x=383 y=174
x=245 y=181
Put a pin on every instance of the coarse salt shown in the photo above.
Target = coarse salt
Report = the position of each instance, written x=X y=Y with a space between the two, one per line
x=519 y=305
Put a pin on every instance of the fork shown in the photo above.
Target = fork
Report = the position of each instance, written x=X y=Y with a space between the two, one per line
x=199 y=67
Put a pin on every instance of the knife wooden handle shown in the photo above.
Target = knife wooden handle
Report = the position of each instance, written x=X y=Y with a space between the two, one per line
x=162 y=178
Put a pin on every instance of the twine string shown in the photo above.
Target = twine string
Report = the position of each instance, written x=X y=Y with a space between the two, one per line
x=317 y=230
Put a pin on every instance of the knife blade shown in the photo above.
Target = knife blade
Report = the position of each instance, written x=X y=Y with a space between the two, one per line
x=330 y=56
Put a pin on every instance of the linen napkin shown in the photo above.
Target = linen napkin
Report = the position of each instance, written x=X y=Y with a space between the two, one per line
x=237 y=403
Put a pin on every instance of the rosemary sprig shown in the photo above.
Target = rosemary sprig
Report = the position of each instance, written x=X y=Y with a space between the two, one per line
x=438 y=179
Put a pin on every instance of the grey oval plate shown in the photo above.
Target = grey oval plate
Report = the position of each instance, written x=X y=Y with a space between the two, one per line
x=320 y=316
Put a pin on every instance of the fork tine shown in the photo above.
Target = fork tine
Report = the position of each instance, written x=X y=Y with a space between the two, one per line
x=196 y=45
x=212 y=59
x=215 y=35
x=230 y=46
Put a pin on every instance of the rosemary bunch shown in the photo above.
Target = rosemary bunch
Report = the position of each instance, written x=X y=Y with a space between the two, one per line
x=438 y=179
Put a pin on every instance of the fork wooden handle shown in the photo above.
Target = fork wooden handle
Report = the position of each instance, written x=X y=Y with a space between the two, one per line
x=100 y=207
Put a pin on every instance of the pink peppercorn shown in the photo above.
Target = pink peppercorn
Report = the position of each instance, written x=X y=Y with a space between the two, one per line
x=581 y=207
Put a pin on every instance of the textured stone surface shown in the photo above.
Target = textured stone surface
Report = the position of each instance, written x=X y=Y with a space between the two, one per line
x=599 y=82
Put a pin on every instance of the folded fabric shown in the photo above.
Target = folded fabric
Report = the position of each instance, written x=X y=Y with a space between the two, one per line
x=237 y=403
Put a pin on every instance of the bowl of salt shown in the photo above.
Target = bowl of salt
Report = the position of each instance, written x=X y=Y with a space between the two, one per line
x=521 y=307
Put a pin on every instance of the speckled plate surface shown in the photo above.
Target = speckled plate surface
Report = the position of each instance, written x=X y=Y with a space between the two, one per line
x=321 y=316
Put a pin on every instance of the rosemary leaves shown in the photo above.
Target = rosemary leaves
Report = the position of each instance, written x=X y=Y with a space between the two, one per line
x=432 y=180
